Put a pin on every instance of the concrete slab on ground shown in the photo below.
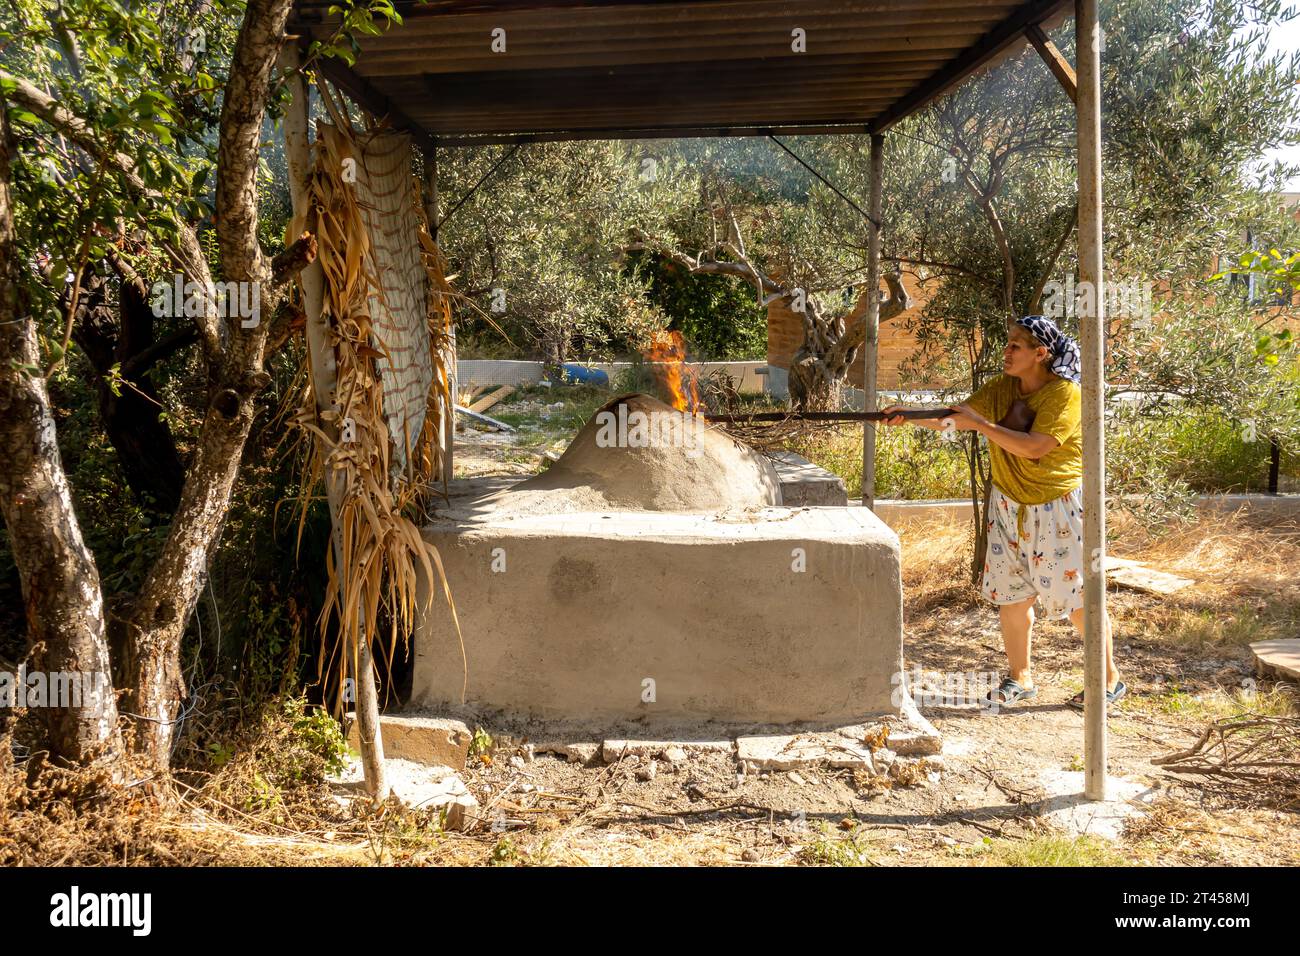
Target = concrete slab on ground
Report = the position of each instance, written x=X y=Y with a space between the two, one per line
x=1280 y=658
x=870 y=746
x=1067 y=808
x=804 y=484
x=417 y=785
x=612 y=750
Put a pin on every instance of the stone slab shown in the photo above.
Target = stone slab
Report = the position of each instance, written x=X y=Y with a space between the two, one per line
x=419 y=786
x=612 y=750
x=804 y=484
x=1067 y=808
x=433 y=741
x=1278 y=657
x=1138 y=577
x=795 y=751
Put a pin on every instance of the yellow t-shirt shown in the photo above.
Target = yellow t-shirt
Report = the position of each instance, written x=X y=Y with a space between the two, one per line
x=1057 y=407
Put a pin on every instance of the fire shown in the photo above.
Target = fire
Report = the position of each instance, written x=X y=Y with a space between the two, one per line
x=678 y=379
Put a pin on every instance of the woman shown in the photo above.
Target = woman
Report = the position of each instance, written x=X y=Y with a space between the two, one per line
x=1035 y=519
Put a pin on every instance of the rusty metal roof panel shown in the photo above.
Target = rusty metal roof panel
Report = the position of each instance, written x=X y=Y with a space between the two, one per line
x=457 y=72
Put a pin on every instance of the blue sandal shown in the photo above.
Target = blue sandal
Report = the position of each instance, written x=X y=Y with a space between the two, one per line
x=1111 y=696
x=1011 y=693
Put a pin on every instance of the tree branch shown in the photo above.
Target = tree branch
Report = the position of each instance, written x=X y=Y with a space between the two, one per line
x=189 y=256
x=288 y=263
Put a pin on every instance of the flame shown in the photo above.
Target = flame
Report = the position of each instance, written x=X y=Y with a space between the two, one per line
x=678 y=379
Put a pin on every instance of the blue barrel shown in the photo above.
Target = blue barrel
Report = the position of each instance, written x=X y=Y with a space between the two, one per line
x=581 y=375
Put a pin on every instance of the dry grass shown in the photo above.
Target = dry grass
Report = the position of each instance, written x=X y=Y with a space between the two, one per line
x=266 y=804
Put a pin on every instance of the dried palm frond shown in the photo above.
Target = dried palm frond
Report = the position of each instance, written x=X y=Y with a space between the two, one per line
x=378 y=552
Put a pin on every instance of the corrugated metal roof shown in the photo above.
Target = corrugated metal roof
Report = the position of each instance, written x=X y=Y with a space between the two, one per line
x=613 y=68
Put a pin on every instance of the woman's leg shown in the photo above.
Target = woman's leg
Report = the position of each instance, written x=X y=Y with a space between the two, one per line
x=1112 y=673
x=1017 y=634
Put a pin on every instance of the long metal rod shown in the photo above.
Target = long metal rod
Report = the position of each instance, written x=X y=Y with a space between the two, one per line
x=910 y=414
x=874 y=220
x=871 y=332
x=1092 y=342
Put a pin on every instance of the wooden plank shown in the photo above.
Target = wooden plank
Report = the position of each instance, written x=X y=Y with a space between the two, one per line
x=483 y=418
x=719 y=41
x=721 y=30
x=688 y=83
x=683 y=15
x=943 y=48
x=1057 y=63
x=738 y=114
x=370 y=99
x=483 y=404
x=565 y=135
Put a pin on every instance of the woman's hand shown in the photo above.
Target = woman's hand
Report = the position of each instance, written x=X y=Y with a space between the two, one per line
x=890 y=417
x=966 y=419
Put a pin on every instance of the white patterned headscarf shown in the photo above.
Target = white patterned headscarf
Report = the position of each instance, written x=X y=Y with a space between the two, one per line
x=1063 y=357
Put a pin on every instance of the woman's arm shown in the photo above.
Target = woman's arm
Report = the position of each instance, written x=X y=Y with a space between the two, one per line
x=965 y=418
x=934 y=424
x=1022 y=444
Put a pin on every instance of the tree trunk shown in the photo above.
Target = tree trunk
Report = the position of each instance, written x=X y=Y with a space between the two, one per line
x=814 y=385
x=61 y=592
x=830 y=347
x=161 y=610
x=58 y=574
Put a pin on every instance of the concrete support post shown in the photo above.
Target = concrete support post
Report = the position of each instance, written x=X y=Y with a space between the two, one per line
x=1092 y=345
x=871 y=341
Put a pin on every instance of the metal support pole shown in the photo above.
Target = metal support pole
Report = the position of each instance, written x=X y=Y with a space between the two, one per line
x=297 y=148
x=449 y=357
x=1092 y=345
x=871 y=338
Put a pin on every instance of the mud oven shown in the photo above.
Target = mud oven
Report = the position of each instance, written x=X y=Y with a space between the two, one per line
x=662 y=577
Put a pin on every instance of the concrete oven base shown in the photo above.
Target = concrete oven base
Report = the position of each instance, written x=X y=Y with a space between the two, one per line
x=768 y=617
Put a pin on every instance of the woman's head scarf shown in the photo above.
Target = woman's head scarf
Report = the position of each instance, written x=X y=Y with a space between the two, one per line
x=1063 y=351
